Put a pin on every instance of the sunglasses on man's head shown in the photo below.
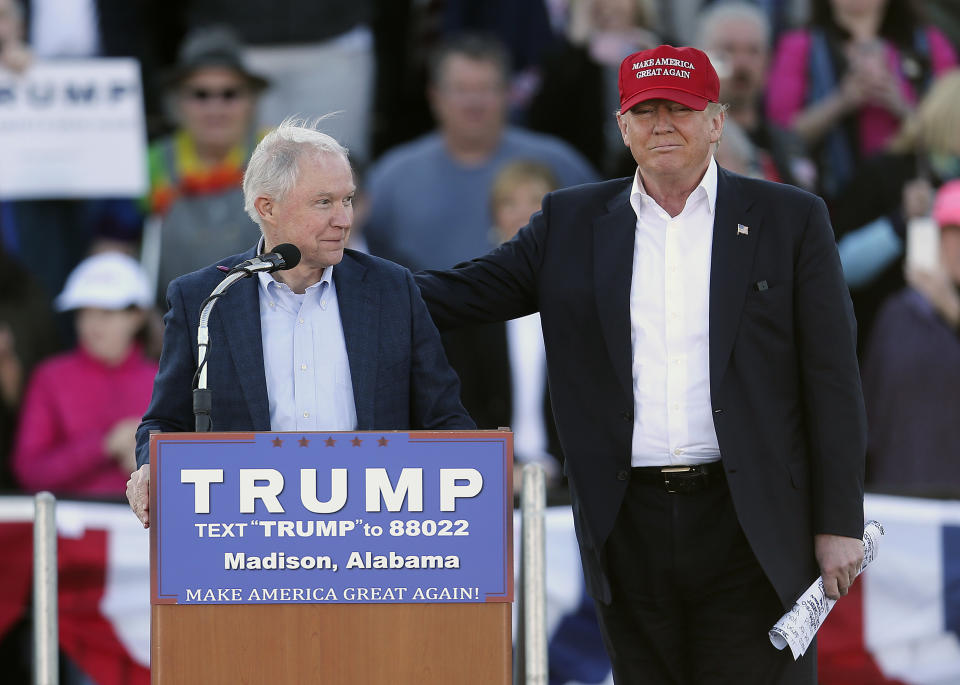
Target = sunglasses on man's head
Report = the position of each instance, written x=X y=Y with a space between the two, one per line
x=225 y=94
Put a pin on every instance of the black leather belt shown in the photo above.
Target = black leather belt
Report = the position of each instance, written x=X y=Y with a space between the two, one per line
x=679 y=479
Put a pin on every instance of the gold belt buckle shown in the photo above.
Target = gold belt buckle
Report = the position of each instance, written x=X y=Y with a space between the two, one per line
x=676 y=478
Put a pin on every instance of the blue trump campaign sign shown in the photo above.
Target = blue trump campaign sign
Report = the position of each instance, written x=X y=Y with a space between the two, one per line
x=247 y=518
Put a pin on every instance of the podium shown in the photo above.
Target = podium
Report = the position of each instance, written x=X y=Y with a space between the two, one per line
x=324 y=598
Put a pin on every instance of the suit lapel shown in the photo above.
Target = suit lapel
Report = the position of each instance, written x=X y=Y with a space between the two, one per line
x=730 y=264
x=359 y=305
x=613 y=242
x=243 y=338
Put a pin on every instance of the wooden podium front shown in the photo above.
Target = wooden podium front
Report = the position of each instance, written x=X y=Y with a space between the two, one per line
x=349 y=643
x=339 y=644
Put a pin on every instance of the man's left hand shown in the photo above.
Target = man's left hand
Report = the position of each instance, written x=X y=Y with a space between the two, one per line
x=138 y=494
x=840 y=559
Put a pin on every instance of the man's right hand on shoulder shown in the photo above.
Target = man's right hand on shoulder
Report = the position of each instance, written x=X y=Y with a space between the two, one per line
x=138 y=494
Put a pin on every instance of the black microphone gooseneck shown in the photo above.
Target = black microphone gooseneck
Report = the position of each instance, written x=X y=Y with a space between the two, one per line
x=285 y=256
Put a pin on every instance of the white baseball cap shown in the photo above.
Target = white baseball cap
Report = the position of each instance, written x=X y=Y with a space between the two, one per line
x=109 y=280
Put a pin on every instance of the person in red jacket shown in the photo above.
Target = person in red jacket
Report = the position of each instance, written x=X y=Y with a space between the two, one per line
x=81 y=410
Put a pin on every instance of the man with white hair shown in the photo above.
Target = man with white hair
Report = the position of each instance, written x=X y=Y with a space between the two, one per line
x=340 y=342
x=737 y=37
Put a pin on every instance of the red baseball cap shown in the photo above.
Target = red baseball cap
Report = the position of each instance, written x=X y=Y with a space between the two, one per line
x=683 y=75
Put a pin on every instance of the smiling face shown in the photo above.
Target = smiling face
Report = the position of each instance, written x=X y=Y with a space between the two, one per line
x=670 y=141
x=316 y=214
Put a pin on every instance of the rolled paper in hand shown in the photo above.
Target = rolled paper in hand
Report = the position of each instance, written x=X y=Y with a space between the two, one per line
x=798 y=626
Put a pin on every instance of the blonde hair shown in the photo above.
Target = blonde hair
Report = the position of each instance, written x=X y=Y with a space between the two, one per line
x=521 y=171
x=934 y=127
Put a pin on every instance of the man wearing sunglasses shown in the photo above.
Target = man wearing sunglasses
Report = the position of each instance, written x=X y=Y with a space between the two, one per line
x=195 y=174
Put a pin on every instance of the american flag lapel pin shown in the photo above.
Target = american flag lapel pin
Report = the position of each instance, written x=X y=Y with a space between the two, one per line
x=743 y=230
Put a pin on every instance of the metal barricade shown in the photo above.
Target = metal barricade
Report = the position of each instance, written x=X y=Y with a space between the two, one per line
x=45 y=634
x=531 y=649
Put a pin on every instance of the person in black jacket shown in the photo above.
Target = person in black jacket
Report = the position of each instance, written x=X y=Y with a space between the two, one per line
x=701 y=357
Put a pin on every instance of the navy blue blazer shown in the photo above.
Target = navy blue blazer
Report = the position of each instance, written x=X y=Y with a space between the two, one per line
x=401 y=378
x=784 y=382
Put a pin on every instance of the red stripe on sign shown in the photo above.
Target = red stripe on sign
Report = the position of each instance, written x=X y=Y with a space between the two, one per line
x=843 y=658
x=85 y=634
x=16 y=575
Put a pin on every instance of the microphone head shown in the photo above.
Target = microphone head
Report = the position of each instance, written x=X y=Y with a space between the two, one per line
x=290 y=254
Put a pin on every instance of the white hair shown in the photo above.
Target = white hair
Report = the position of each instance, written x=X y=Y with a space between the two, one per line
x=715 y=108
x=274 y=166
x=735 y=10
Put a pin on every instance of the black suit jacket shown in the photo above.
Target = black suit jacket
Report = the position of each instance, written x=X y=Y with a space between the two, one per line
x=784 y=383
x=481 y=358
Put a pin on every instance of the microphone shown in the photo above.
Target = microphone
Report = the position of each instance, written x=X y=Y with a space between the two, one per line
x=283 y=257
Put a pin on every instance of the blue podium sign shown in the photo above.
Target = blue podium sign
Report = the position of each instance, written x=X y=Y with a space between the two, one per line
x=249 y=518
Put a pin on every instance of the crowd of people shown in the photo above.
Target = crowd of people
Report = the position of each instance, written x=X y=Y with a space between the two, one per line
x=459 y=117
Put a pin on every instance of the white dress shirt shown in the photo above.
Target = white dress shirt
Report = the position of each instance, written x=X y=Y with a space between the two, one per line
x=669 y=328
x=528 y=377
x=309 y=387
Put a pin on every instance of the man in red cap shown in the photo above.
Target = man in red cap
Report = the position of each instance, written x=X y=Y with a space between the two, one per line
x=701 y=360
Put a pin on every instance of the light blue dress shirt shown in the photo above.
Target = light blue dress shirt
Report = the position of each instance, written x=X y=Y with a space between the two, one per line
x=305 y=357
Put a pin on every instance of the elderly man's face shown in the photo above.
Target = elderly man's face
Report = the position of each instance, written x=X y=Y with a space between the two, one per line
x=668 y=139
x=216 y=107
x=470 y=100
x=317 y=213
x=742 y=47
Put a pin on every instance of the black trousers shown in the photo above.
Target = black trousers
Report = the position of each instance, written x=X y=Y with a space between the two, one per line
x=691 y=605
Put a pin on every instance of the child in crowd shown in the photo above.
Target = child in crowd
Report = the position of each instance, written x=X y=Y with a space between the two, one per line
x=502 y=367
x=82 y=408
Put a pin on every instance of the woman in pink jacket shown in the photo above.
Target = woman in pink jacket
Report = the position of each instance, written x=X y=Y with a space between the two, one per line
x=845 y=83
x=82 y=408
